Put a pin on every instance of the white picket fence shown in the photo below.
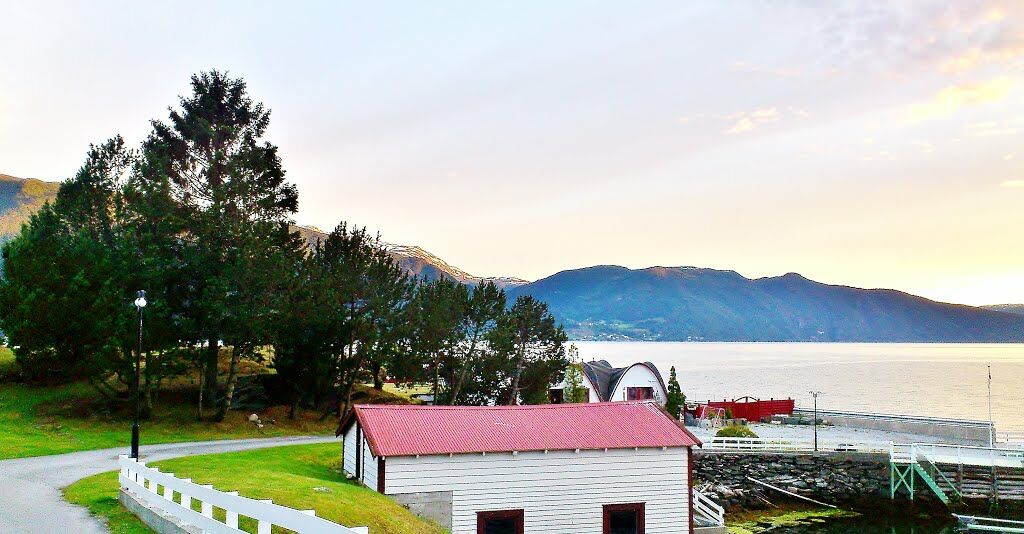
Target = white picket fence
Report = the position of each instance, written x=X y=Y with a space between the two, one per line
x=794 y=445
x=159 y=490
x=708 y=510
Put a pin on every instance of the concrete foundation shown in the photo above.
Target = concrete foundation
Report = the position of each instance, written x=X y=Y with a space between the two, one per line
x=436 y=505
x=155 y=519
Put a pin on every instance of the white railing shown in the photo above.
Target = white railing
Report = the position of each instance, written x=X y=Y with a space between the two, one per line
x=1010 y=438
x=966 y=455
x=707 y=509
x=795 y=445
x=146 y=483
x=990 y=524
x=901 y=453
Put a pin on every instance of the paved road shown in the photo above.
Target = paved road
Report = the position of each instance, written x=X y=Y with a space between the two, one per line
x=30 y=488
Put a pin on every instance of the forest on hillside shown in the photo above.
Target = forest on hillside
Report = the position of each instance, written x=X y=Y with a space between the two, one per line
x=199 y=216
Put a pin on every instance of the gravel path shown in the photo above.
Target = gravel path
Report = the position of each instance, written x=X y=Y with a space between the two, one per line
x=30 y=488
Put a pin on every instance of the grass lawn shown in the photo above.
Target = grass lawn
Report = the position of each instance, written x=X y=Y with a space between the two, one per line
x=36 y=421
x=6 y=361
x=407 y=391
x=299 y=476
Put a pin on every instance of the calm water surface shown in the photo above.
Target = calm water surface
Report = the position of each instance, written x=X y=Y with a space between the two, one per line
x=944 y=380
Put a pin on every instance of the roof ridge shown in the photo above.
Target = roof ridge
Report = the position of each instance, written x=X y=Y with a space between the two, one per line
x=561 y=406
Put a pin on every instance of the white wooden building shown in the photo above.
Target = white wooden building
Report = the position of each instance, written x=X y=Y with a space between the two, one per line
x=602 y=468
x=604 y=383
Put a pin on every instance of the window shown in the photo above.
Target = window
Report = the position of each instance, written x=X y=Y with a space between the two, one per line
x=500 y=522
x=556 y=396
x=624 y=518
x=639 y=393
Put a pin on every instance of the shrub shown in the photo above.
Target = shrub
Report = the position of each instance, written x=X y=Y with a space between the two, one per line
x=736 y=431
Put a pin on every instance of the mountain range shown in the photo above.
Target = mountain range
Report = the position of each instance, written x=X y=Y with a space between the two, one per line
x=19 y=199
x=682 y=303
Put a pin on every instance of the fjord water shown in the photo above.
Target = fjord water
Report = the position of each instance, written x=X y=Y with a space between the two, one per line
x=942 y=380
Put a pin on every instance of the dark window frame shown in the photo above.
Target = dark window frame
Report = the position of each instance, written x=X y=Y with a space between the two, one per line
x=647 y=389
x=518 y=515
x=637 y=507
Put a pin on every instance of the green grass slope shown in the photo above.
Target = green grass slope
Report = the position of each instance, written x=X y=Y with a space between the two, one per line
x=299 y=476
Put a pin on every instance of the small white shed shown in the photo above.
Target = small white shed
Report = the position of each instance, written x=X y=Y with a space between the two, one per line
x=601 y=468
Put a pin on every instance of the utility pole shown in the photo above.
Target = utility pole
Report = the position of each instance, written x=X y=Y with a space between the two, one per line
x=815 y=395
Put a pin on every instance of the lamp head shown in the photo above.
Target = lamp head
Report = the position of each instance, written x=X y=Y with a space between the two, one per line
x=140 y=300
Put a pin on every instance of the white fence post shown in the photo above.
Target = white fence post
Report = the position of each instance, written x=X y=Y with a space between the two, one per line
x=134 y=476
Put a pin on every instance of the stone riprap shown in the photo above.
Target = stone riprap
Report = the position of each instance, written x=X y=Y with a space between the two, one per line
x=833 y=478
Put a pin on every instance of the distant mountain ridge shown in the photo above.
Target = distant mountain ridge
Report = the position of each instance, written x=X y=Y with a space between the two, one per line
x=689 y=303
x=680 y=303
x=19 y=199
x=1016 y=309
x=424 y=264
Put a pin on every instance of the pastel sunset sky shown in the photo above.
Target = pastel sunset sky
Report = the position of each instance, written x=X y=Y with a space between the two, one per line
x=874 y=144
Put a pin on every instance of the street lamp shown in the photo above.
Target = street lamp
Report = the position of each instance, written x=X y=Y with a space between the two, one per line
x=815 y=395
x=140 y=302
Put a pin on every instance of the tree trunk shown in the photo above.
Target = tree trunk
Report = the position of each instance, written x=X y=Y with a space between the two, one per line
x=465 y=369
x=232 y=380
x=147 y=398
x=210 y=363
x=378 y=381
x=199 y=405
x=514 y=396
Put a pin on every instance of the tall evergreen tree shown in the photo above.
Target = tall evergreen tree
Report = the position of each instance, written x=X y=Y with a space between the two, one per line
x=534 y=346
x=575 y=390
x=232 y=204
x=676 y=401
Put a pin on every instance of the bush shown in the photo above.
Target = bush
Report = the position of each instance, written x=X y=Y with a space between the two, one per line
x=736 y=431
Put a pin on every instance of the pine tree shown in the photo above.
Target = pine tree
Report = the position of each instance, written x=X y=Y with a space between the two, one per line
x=575 y=391
x=676 y=400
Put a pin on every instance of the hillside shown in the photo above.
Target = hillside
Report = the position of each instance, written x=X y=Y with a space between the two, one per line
x=686 y=303
x=1016 y=309
x=681 y=303
x=421 y=263
x=19 y=199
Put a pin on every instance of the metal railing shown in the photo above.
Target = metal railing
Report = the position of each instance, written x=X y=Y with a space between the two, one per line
x=1010 y=438
x=146 y=482
x=707 y=509
x=969 y=455
x=795 y=445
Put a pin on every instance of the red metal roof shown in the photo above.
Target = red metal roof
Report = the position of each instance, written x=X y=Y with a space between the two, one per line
x=411 y=430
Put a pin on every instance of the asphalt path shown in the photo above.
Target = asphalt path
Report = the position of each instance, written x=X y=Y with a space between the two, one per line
x=30 y=488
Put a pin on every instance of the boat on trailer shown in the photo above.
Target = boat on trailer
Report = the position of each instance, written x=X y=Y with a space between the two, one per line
x=989 y=524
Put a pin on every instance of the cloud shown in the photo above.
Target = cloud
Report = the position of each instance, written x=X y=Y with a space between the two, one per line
x=751 y=120
x=952 y=98
x=1012 y=183
x=948 y=37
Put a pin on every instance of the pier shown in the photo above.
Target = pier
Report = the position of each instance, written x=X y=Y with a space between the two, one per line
x=957 y=472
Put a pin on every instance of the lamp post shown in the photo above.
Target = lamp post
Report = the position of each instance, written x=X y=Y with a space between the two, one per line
x=815 y=395
x=140 y=302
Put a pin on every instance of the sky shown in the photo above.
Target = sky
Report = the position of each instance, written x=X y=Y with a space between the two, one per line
x=873 y=144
